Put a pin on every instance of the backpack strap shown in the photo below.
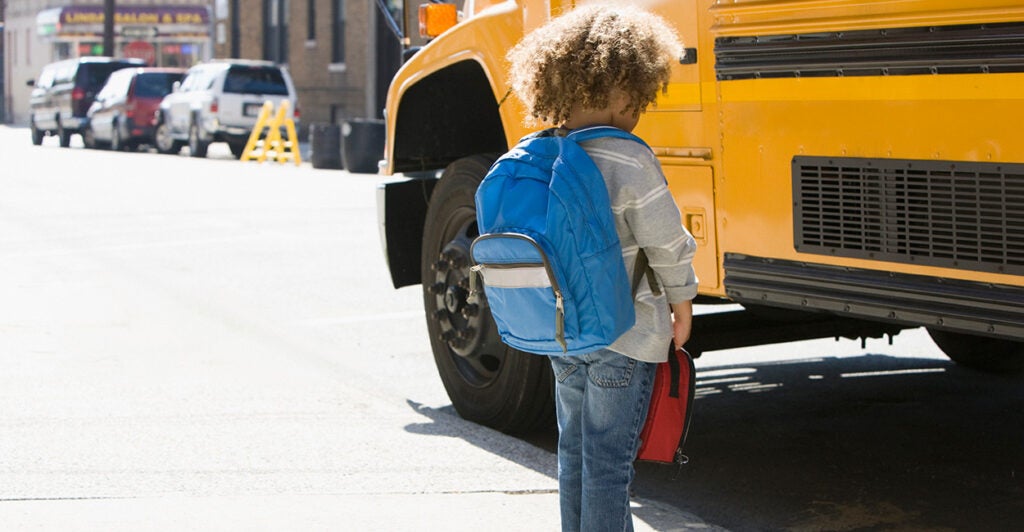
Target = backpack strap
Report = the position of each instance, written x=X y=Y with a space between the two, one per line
x=641 y=268
x=593 y=132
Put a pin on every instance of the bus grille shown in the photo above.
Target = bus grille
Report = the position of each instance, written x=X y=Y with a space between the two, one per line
x=962 y=215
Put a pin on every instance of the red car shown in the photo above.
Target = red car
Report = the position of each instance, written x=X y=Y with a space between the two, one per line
x=122 y=117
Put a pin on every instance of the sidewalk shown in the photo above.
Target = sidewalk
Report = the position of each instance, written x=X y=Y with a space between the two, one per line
x=449 y=512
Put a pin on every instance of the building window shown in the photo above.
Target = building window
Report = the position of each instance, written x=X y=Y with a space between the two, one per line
x=338 y=30
x=310 y=20
x=275 y=30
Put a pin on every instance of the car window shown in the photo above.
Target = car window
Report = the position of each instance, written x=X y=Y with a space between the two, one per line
x=255 y=80
x=116 y=85
x=199 y=80
x=190 y=80
x=64 y=73
x=46 y=77
x=94 y=75
x=155 y=84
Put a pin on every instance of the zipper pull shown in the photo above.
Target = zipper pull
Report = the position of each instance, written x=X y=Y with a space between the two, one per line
x=560 y=320
x=474 y=271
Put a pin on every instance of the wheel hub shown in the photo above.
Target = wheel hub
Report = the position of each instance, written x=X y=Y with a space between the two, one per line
x=459 y=320
x=455 y=299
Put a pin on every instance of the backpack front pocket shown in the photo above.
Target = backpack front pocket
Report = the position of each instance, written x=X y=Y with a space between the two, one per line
x=524 y=296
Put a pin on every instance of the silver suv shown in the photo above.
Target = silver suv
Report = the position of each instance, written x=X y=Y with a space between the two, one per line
x=220 y=101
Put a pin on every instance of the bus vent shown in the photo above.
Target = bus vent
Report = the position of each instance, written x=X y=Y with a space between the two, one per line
x=962 y=215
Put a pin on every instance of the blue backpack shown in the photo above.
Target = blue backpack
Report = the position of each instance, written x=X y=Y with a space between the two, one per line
x=548 y=252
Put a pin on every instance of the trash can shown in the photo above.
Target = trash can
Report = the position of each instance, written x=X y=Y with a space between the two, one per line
x=363 y=144
x=325 y=143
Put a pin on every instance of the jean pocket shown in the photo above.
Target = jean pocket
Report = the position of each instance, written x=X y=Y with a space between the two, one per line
x=612 y=371
x=564 y=371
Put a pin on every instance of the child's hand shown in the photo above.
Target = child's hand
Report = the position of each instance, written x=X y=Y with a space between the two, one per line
x=682 y=322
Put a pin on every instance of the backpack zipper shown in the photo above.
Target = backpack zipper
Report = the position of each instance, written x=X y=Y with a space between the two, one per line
x=559 y=299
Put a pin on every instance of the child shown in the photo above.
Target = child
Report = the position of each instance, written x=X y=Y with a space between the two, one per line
x=603 y=65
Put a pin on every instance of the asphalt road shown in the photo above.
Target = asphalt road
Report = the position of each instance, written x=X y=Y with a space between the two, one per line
x=208 y=344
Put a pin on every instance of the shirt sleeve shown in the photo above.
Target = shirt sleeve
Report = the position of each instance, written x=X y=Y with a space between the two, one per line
x=653 y=217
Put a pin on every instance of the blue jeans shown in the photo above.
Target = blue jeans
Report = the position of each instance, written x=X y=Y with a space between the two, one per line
x=601 y=400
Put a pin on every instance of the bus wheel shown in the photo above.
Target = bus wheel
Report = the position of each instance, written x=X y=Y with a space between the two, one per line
x=980 y=352
x=488 y=382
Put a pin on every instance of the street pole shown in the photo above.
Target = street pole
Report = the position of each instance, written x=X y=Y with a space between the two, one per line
x=108 y=28
x=236 y=29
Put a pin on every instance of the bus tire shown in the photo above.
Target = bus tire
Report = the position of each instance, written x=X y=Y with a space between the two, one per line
x=488 y=382
x=994 y=355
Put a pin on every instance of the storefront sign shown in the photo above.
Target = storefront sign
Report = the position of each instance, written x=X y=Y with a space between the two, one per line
x=139 y=15
x=139 y=32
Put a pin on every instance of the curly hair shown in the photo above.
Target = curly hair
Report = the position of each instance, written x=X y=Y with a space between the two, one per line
x=579 y=58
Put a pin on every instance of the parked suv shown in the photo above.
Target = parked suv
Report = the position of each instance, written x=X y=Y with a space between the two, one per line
x=64 y=92
x=124 y=113
x=219 y=101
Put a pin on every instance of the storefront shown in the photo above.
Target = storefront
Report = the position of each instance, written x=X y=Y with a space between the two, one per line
x=160 y=35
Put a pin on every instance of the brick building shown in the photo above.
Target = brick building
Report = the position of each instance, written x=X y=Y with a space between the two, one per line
x=340 y=52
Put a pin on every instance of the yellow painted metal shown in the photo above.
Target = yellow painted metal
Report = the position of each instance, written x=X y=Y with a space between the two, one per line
x=773 y=17
x=272 y=143
x=492 y=32
x=727 y=146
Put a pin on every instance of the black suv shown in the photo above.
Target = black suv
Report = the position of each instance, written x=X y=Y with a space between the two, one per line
x=64 y=92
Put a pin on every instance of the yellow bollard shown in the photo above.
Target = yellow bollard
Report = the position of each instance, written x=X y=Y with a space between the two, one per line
x=272 y=141
x=257 y=130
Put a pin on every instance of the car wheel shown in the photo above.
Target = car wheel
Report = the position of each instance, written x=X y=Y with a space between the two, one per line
x=237 y=149
x=163 y=140
x=88 y=137
x=487 y=381
x=196 y=146
x=63 y=134
x=980 y=352
x=115 y=137
x=37 y=134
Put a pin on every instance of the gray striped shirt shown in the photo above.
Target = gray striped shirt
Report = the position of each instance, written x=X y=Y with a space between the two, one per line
x=646 y=217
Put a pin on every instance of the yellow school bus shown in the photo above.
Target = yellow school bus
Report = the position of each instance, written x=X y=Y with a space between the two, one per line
x=848 y=168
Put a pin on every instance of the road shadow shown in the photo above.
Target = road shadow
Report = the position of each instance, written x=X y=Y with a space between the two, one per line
x=870 y=442
x=446 y=422
x=536 y=452
x=857 y=443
